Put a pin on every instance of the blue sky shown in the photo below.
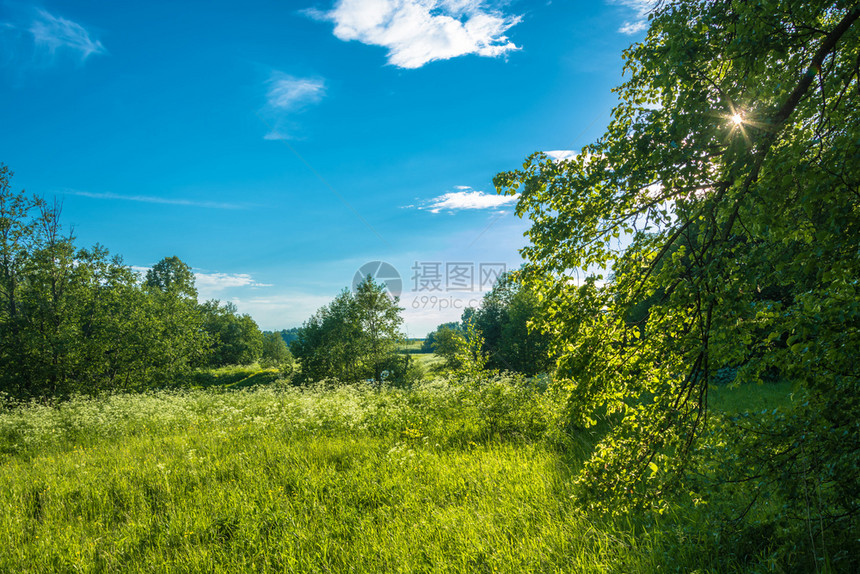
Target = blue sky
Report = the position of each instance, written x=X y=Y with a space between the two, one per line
x=277 y=146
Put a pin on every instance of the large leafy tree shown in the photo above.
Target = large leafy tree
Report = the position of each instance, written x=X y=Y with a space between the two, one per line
x=56 y=317
x=715 y=225
x=171 y=275
x=353 y=338
x=275 y=352
x=445 y=341
x=379 y=320
x=176 y=320
x=503 y=320
x=430 y=343
x=328 y=343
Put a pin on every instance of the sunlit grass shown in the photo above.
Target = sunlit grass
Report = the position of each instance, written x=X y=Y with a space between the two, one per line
x=428 y=361
x=439 y=478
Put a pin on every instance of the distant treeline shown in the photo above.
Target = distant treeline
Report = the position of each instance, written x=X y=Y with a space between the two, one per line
x=290 y=335
x=78 y=320
x=502 y=323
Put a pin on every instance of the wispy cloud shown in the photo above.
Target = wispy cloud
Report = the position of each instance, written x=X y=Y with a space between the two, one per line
x=467 y=198
x=54 y=33
x=153 y=199
x=420 y=31
x=639 y=22
x=286 y=95
x=209 y=282
x=290 y=93
x=211 y=285
x=36 y=38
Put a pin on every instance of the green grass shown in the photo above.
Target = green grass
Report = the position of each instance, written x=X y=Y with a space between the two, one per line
x=731 y=399
x=412 y=346
x=439 y=478
x=234 y=376
x=428 y=360
x=275 y=480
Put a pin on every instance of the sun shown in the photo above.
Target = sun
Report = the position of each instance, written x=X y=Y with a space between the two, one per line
x=738 y=121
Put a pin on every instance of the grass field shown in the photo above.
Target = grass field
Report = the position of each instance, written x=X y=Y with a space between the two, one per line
x=436 y=479
x=429 y=361
x=412 y=345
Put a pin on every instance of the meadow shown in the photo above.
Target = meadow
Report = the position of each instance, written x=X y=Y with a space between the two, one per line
x=438 y=478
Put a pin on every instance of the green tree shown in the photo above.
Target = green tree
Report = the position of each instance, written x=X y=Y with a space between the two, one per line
x=178 y=340
x=77 y=320
x=380 y=323
x=172 y=275
x=504 y=320
x=471 y=358
x=723 y=204
x=429 y=344
x=289 y=335
x=446 y=342
x=275 y=352
x=235 y=339
x=56 y=327
x=354 y=338
x=328 y=345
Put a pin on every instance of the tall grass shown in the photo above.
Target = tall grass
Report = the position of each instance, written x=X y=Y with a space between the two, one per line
x=440 y=478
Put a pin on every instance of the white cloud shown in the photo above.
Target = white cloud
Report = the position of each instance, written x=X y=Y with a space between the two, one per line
x=210 y=282
x=467 y=198
x=640 y=20
x=276 y=134
x=54 y=33
x=420 y=31
x=288 y=95
x=634 y=27
x=34 y=38
x=153 y=199
x=562 y=154
x=568 y=154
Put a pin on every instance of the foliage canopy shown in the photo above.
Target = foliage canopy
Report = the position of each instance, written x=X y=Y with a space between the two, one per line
x=503 y=320
x=721 y=206
x=356 y=337
x=236 y=339
x=76 y=320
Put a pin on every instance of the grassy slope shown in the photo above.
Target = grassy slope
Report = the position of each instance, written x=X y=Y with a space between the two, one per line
x=325 y=480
